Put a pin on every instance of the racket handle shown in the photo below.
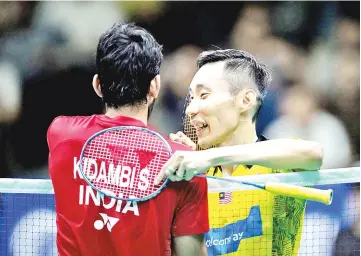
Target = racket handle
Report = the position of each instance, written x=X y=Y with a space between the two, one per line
x=314 y=194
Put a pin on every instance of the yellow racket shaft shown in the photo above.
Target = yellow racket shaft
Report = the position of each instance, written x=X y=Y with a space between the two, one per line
x=314 y=194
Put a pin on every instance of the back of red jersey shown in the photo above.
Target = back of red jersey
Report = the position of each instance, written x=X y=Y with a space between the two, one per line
x=90 y=223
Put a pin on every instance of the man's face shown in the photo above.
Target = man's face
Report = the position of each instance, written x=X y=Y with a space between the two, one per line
x=212 y=110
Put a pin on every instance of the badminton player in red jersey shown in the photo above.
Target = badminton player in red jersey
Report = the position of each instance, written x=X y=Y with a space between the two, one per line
x=128 y=60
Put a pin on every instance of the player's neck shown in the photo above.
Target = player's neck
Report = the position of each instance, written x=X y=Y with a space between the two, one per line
x=245 y=133
x=140 y=113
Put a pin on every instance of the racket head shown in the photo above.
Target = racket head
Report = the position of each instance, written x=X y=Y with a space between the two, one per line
x=122 y=162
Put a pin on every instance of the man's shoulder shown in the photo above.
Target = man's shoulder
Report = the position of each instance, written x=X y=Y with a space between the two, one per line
x=67 y=127
x=69 y=120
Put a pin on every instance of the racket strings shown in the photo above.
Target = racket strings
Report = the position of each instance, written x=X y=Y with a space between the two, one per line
x=115 y=160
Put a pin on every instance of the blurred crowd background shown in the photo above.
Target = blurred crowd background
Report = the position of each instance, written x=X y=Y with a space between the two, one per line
x=47 y=64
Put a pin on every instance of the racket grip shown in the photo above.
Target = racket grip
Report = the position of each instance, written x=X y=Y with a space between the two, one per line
x=314 y=194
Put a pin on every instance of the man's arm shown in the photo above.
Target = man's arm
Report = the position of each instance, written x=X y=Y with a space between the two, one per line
x=189 y=245
x=278 y=154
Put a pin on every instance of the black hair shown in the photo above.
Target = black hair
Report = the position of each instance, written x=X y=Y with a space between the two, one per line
x=127 y=59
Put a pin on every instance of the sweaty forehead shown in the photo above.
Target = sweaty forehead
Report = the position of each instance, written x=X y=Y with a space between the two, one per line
x=210 y=76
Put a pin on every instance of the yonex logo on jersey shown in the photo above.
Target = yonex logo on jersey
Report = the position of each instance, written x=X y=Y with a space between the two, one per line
x=227 y=239
x=107 y=220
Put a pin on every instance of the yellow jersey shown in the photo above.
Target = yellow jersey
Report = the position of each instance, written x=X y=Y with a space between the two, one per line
x=253 y=222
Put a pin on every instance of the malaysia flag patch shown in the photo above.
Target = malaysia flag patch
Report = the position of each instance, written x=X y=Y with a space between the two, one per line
x=225 y=197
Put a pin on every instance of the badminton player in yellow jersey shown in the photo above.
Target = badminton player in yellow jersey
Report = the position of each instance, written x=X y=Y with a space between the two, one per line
x=226 y=94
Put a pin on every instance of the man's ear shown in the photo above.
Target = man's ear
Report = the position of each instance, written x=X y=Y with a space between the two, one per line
x=246 y=99
x=96 y=86
x=154 y=87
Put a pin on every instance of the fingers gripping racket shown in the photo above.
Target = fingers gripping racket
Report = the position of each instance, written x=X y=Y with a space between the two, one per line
x=122 y=162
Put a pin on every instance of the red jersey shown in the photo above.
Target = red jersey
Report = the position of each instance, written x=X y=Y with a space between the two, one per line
x=90 y=224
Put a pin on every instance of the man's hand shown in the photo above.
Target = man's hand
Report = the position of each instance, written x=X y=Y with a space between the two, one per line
x=183 y=165
x=180 y=137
